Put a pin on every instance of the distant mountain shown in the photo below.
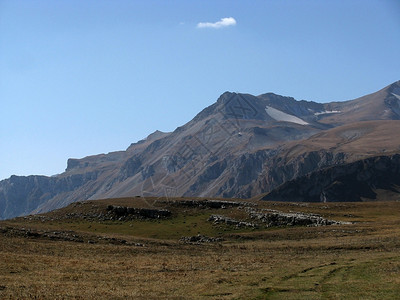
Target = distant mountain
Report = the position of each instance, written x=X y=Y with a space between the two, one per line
x=240 y=146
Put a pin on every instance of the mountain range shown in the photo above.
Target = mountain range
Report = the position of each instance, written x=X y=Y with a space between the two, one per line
x=242 y=146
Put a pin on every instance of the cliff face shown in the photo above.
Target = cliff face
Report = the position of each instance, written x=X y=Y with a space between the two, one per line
x=263 y=171
x=21 y=195
x=240 y=146
x=357 y=181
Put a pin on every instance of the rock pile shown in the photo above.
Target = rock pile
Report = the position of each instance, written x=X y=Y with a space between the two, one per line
x=197 y=239
x=219 y=219
x=124 y=213
x=273 y=218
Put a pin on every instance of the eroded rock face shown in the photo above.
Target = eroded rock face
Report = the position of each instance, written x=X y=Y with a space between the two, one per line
x=263 y=171
x=21 y=195
x=349 y=182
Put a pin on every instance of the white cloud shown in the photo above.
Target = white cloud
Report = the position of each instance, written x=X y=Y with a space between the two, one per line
x=224 y=22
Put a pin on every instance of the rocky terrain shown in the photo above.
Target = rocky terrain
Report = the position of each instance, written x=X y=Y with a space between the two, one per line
x=274 y=218
x=240 y=146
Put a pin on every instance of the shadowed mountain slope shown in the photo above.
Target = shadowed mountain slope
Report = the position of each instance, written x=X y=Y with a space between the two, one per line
x=374 y=178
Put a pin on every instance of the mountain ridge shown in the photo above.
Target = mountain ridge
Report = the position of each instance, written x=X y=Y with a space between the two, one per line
x=233 y=148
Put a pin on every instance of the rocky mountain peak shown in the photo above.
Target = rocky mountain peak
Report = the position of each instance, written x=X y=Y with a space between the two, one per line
x=156 y=135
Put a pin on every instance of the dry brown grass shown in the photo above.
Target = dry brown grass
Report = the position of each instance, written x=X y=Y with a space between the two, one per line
x=358 y=261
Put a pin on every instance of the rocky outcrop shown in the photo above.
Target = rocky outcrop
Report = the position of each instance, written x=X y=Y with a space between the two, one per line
x=127 y=213
x=94 y=161
x=219 y=219
x=131 y=167
x=199 y=239
x=273 y=218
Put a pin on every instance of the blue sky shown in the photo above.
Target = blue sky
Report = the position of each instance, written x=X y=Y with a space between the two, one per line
x=86 y=77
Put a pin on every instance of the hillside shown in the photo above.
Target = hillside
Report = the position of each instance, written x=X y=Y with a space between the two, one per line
x=240 y=146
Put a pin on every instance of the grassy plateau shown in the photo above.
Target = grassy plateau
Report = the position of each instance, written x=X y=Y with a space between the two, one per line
x=83 y=251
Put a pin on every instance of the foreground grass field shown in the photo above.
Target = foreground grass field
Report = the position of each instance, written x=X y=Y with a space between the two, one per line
x=77 y=257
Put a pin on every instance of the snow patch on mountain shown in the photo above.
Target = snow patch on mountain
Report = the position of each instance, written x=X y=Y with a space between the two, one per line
x=282 y=116
x=397 y=96
x=327 y=112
